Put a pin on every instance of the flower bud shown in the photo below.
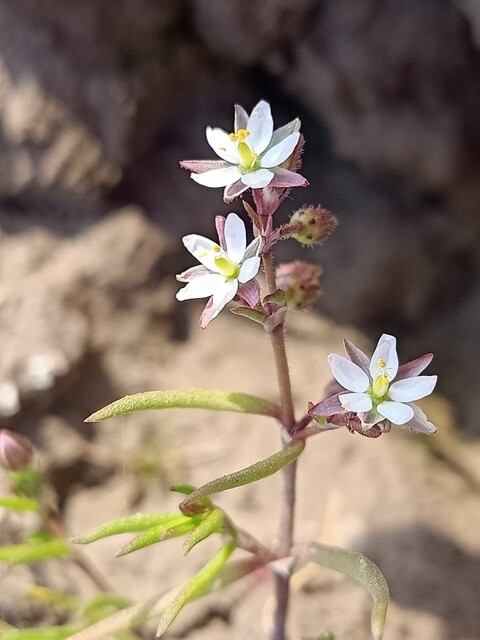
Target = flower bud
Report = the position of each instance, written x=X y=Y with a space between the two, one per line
x=16 y=452
x=300 y=282
x=310 y=225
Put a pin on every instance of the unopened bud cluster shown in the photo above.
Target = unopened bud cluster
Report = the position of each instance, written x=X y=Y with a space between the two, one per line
x=300 y=281
x=310 y=225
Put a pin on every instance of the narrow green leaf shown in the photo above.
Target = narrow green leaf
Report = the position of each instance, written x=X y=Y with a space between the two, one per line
x=212 y=399
x=33 y=552
x=157 y=605
x=178 y=527
x=212 y=523
x=126 y=524
x=186 y=489
x=360 y=568
x=19 y=503
x=248 y=312
x=195 y=586
x=254 y=472
x=61 y=632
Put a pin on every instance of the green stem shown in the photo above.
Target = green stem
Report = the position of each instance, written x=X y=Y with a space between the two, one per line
x=289 y=473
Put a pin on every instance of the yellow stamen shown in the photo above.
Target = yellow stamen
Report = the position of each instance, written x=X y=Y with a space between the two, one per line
x=239 y=136
x=216 y=248
x=381 y=363
x=242 y=134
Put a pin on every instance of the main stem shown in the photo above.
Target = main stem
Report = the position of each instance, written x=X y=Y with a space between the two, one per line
x=289 y=473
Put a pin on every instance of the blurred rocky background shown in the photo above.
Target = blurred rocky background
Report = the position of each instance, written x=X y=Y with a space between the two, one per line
x=100 y=100
x=98 y=104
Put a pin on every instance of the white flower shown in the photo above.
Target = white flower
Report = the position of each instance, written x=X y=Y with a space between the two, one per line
x=374 y=392
x=251 y=156
x=224 y=267
x=379 y=389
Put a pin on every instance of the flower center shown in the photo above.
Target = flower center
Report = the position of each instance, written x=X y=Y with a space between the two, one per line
x=380 y=386
x=226 y=267
x=248 y=159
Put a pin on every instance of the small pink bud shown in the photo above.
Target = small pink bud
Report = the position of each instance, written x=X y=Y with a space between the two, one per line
x=300 y=281
x=16 y=452
x=310 y=225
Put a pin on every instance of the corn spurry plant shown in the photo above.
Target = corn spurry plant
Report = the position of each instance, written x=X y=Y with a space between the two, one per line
x=372 y=394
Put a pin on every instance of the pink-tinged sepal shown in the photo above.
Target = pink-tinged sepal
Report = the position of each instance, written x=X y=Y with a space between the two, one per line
x=419 y=422
x=414 y=367
x=234 y=190
x=356 y=355
x=200 y=166
x=327 y=407
x=249 y=292
x=220 y=227
x=286 y=179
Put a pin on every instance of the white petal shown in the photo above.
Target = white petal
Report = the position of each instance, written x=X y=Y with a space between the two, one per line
x=280 y=152
x=396 y=412
x=203 y=250
x=281 y=133
x=220 y=142
x=218 y=177
x=241 y=118
x=411 y=389
x=202 y=287
x=235 y=237
x=222 y=296
x=257 y=179
x=385 y=351
x=348 y=374
x=356 y=402
x=260 y=126
x=253 y=248
x=249 y=269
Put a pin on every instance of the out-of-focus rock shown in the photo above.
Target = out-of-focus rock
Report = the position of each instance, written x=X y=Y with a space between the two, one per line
x=82 y=90
x=52 y=311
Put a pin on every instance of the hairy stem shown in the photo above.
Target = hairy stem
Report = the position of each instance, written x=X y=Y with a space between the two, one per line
x=288 y=474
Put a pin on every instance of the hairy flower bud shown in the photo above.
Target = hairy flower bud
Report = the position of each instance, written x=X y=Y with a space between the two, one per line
x=16 y=452
x=300 y=282
x=310 y=225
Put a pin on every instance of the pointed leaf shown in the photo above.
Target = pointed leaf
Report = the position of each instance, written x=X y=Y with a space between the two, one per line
x=212 y=523
x=177 y=527
x=195 y=586
x=254 y=472
x=156 y=606
x=19 y=503
x=212 y=399
x=360 y=568
x=33 y=551
x=127 y=524
x=248 y=312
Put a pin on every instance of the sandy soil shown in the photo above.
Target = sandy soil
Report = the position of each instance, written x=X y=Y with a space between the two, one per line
x=409 y=510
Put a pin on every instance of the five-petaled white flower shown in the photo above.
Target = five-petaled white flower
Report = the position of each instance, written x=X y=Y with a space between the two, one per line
x=251 y=156
x=378 y=388
x=224 y=266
